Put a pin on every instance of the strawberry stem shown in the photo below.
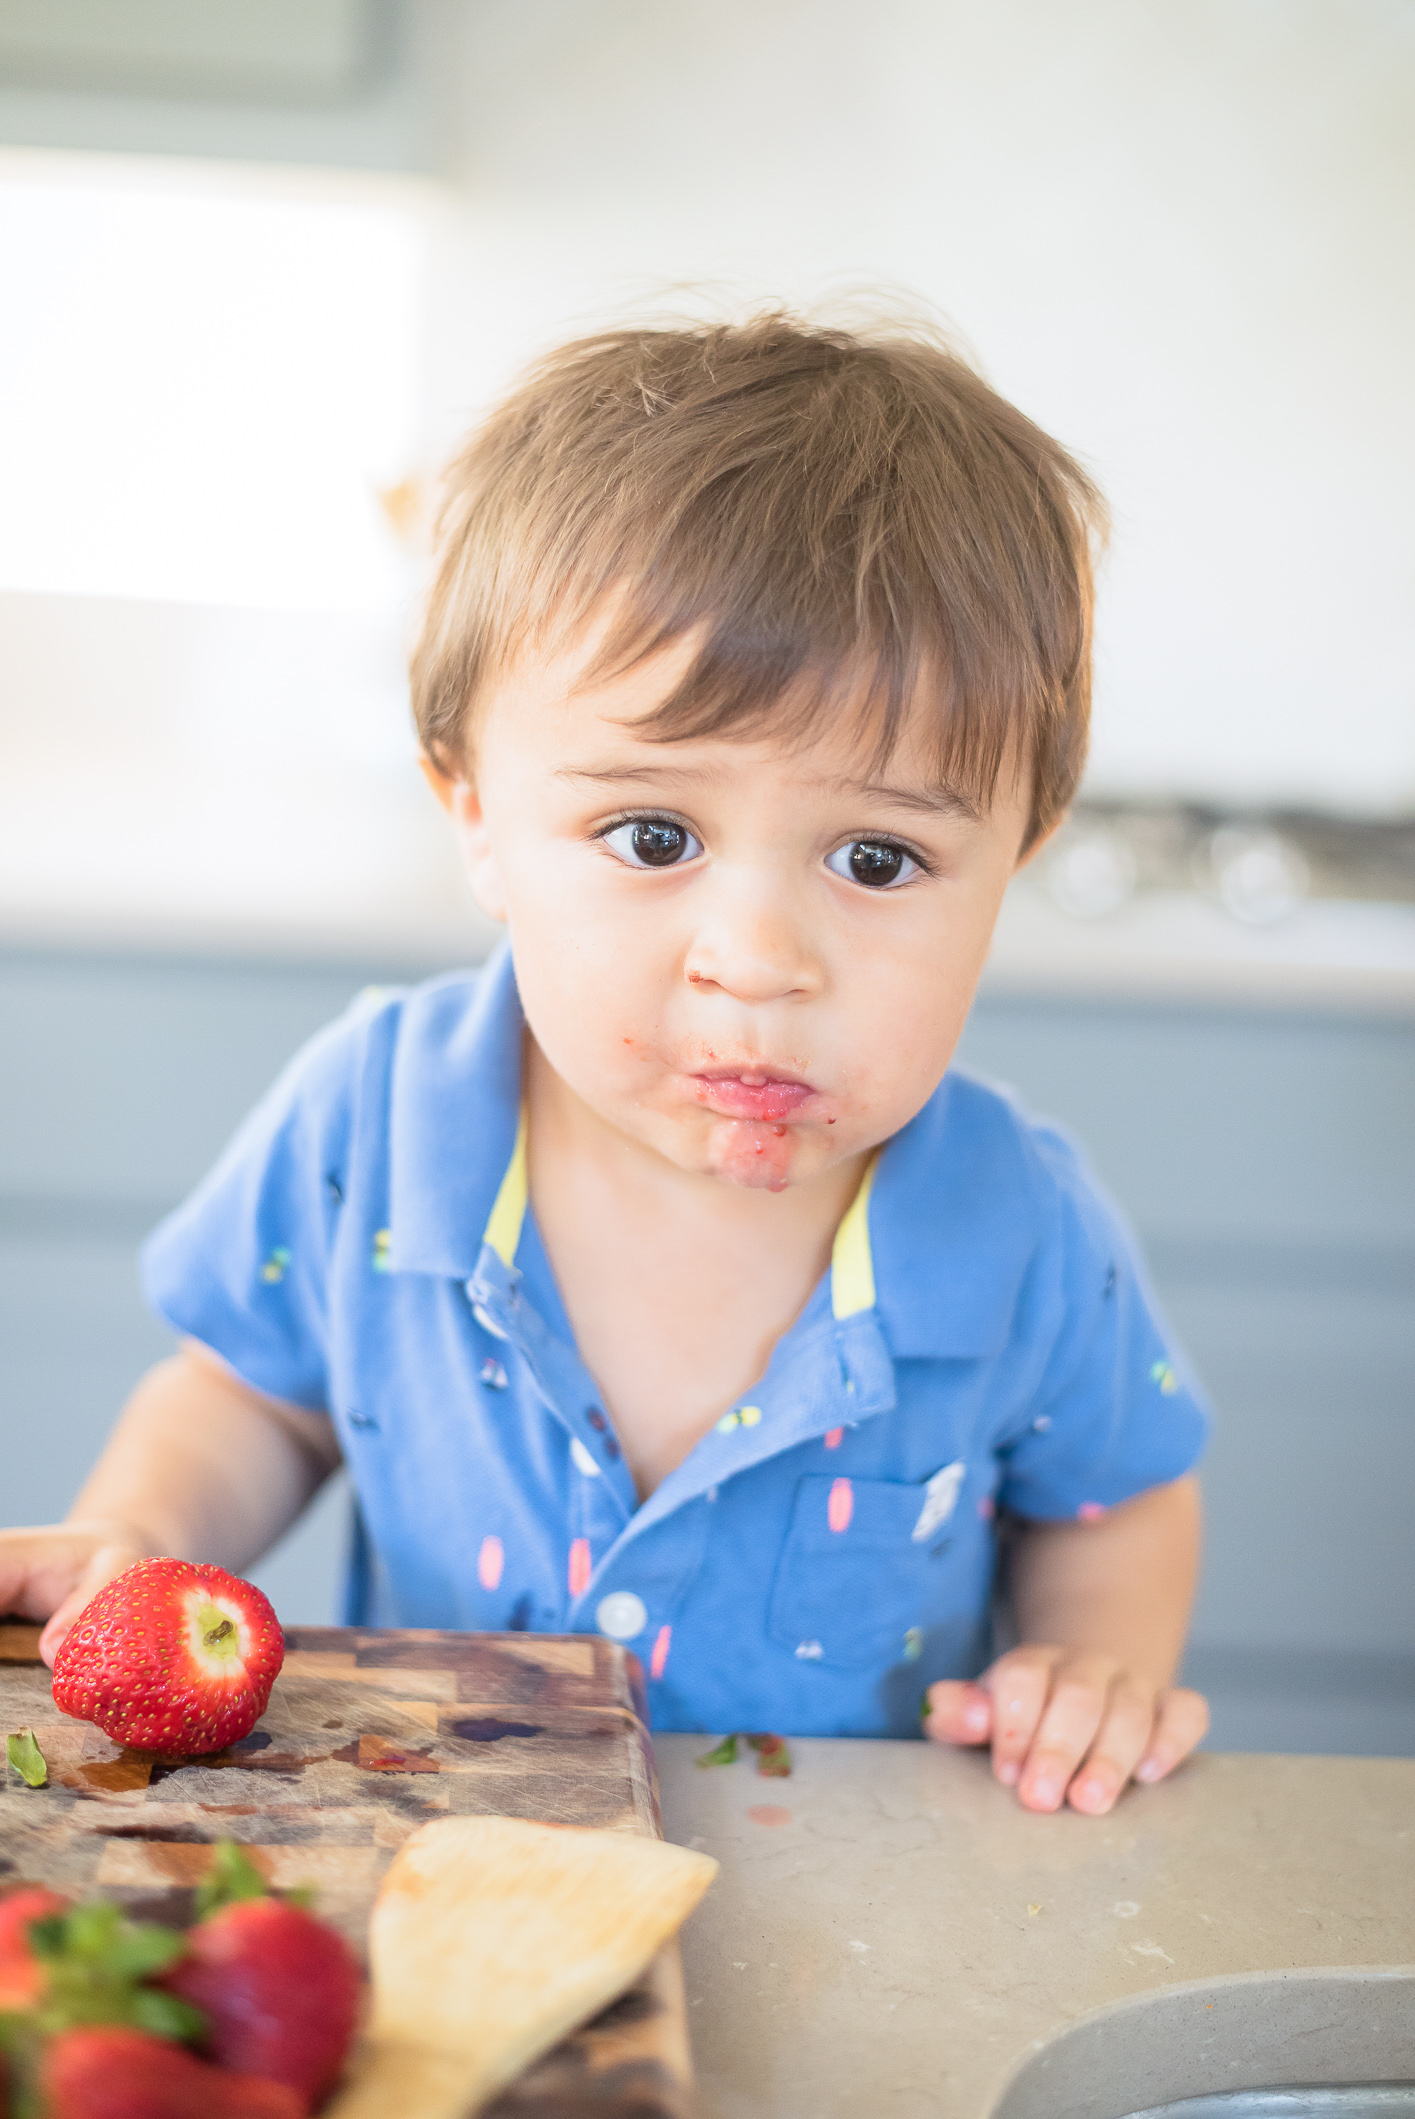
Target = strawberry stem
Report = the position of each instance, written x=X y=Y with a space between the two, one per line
x=232 y=1877
x=218 y=1631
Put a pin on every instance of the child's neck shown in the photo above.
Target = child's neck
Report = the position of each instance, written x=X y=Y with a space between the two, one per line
x=677 y=1285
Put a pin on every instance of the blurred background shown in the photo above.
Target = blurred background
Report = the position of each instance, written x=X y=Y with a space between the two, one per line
x=261 y=265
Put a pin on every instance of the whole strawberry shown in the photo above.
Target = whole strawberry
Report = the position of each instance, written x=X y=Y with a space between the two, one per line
x=280 y=1992
x=171 y=1657
x=21 y=1972
x=112 y=2072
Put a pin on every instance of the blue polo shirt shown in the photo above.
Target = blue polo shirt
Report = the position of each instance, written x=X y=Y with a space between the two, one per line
x=984 y=1340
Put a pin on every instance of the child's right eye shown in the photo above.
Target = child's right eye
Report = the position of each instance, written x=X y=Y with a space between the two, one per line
x=652 y=842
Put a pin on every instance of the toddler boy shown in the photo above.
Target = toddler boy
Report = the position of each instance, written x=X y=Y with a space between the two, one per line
x=662 y=1279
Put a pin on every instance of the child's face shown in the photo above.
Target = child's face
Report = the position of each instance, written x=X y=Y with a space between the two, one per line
x=752 y=958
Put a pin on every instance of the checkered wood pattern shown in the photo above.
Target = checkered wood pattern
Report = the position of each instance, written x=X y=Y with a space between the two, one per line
x=368 y=1735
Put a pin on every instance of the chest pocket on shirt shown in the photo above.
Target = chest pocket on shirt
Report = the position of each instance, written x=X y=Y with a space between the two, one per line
x=853 y=1576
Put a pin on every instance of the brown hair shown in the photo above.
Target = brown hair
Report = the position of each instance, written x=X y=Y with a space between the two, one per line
x=850 y=518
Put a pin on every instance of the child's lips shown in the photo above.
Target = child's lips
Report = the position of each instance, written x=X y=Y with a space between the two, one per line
x=759 y=1096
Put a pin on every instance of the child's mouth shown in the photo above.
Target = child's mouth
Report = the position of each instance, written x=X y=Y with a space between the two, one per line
x=746 y=1095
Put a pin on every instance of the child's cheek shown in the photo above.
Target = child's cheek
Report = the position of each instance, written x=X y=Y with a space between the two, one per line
x=748 y=1151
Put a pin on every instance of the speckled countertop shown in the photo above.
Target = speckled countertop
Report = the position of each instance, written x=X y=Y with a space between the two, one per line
x=891 y=1934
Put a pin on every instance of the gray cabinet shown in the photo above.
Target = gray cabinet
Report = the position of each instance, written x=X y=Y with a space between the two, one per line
x=1266 y=1159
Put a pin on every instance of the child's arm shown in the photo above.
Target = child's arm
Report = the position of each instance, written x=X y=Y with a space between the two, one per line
x=199 y=1466
x=1102 y=1609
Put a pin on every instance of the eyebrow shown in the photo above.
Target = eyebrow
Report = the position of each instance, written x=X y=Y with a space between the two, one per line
x=931 y=801
x=941 y=800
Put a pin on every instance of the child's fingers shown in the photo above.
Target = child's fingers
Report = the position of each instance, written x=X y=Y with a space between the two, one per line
x=1019 y=1684
x=1126 y=1729
x=1181 y=1721
x=108 y=1561
x=1074 y=1713
x=958 y=1713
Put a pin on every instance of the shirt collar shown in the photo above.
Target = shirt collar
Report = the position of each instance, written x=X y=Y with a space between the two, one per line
x=938 y=1239
x=954 y=1223
x=454 y=1108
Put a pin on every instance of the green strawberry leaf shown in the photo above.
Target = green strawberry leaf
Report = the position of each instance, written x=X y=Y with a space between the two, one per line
x=165 y=2015
x=24 y=1754
x=89 y=1931
x=95 y=1964
x=16 y=2029
x=46 y=1936
x=723 y=1754
x=141 y=1948
x=20 y=2051
x=232 y=1877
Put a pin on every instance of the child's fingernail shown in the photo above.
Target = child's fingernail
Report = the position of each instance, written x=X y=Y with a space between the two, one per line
x=1044 y=1793
x=1148 y=1770
x=1007 y=1773
x=976 y=1719
x=1090 y=1794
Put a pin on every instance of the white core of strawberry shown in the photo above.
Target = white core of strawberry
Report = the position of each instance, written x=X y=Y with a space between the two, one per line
x=218 y=1637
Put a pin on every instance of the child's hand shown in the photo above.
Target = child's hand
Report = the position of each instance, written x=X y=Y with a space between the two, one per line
x=51 y=1572
x=1065 y=1724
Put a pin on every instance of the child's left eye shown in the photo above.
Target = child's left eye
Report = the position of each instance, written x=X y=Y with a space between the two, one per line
x=880 y=864
x=653 y=842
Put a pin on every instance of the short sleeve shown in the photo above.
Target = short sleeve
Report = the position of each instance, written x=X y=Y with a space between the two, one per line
x=243 y=1263
x=1117 y=1410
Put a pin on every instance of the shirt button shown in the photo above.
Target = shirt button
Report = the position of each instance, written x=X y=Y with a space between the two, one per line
x=621 y=1615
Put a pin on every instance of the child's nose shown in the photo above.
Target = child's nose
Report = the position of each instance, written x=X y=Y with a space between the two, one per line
x=752 y=947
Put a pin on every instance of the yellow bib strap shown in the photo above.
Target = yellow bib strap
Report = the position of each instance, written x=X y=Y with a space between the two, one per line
x=503 y=1228
x=852 y=1266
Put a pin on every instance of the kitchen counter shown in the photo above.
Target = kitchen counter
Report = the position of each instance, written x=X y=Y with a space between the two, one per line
x=891 y=1934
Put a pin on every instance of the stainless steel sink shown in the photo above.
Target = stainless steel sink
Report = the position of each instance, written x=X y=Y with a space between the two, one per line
x=1372 y=2100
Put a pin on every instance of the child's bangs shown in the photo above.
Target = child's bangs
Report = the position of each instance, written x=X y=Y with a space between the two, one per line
x=751 y=680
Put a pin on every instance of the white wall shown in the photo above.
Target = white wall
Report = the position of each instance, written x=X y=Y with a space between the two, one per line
x=1179 y=235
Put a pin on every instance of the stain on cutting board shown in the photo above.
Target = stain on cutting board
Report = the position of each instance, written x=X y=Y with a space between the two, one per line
x=368 y=1735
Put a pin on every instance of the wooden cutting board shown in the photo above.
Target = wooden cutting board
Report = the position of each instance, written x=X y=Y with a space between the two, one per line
x=367 y=1736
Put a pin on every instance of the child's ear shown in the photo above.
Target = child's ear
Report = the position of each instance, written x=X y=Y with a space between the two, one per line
x=462 y=803
x=442 y=782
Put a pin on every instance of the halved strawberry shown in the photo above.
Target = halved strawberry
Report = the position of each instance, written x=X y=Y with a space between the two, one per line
x=171 y=1657
x=117 y=2073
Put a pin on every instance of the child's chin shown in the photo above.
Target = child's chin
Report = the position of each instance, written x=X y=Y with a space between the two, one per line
x=752 y=1154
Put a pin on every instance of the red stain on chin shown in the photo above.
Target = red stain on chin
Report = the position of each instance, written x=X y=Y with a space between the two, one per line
x=768 y=1814
x=747 y=1153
